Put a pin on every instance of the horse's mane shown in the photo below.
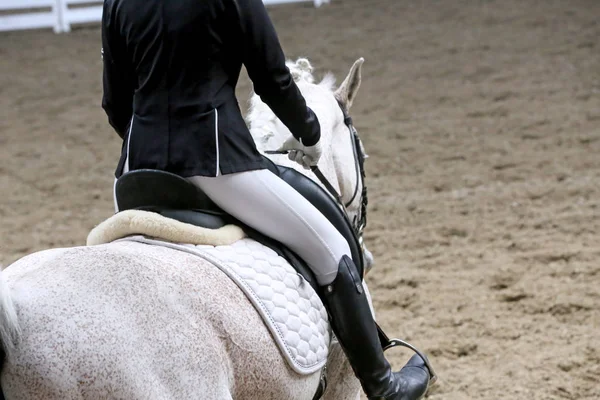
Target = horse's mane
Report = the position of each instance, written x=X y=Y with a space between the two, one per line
x=262 y=120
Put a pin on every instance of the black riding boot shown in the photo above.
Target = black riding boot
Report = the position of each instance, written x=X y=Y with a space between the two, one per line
x=355 y=329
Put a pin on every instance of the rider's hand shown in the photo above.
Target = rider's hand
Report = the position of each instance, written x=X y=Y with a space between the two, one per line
x=306 y=156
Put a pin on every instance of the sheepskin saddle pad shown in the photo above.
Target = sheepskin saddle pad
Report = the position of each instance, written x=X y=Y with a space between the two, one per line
x=289 y=306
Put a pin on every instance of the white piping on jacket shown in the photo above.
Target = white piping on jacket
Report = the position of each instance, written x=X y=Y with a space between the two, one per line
x=217 y=139
x=126 y=166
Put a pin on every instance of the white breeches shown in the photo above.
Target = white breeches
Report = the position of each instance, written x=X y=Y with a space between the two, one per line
x=263 y=201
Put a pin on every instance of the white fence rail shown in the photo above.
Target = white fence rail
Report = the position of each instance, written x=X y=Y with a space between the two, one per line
x=79 y=12
x=29 y=14
x=61 y=14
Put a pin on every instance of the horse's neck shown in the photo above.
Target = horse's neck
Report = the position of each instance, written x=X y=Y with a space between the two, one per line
x=263 y=126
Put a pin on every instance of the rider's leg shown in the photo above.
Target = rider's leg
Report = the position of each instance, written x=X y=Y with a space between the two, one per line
x=266 y=203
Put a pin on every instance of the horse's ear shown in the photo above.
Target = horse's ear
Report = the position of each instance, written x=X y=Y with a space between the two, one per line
x=347 y=91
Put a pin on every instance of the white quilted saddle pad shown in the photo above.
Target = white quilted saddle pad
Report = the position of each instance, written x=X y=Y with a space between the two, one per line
x=290 y=307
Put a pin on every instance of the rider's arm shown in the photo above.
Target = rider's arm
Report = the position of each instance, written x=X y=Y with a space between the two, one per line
x=117 y=99
x=273 y=82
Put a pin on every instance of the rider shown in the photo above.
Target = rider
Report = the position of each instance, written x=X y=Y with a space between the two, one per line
x=170 y=72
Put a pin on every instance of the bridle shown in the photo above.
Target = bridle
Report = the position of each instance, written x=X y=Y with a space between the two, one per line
x=360 y=220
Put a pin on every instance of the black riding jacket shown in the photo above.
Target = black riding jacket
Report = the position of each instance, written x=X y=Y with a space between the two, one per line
x=170 y=72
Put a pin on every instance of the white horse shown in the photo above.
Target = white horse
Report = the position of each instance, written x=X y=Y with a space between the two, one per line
x=127 y=320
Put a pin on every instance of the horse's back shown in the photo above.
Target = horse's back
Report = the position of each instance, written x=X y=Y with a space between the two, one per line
x=132 y=321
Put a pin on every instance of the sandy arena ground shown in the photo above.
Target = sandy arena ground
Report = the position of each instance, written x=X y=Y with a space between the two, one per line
x=482 y=122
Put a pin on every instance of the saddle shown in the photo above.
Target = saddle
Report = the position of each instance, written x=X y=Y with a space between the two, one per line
x=175 y=197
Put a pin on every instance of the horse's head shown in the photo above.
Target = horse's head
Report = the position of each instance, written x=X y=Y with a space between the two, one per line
x=341 y=153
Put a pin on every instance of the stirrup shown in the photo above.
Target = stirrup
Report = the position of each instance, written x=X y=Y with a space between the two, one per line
x=387 y=343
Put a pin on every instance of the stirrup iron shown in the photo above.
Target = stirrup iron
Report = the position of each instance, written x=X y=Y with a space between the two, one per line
x=387 y=343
